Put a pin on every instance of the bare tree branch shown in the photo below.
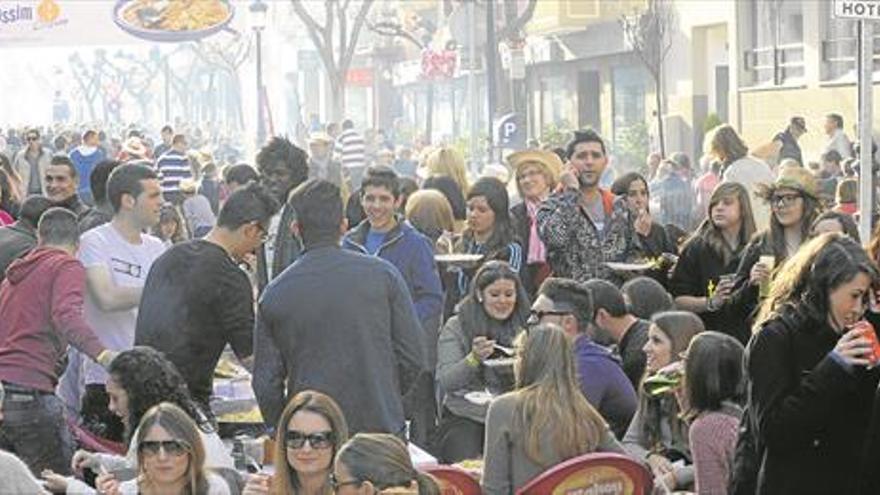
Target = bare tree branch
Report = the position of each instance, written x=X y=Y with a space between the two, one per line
x=510 y=30
x=304 y=16
x=356 y=31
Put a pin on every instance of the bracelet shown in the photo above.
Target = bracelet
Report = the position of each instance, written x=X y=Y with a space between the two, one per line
x=710 y=306
x=472 y=360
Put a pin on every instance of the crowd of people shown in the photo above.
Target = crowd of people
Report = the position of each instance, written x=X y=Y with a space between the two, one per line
x=712 y=324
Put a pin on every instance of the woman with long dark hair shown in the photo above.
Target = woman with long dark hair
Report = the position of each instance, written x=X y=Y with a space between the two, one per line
x=546 y=420
x=703 y=278
x=794 y=203
x=811 y=370
x=657 y=434
x=494 y=313
x=489 y=233
x=653 y=237
x=711 y=401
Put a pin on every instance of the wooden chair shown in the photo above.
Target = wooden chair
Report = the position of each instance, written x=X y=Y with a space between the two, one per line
x=454 y=481
x=608 y=474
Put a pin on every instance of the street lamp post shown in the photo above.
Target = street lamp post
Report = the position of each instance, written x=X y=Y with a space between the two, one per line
x=258 y=10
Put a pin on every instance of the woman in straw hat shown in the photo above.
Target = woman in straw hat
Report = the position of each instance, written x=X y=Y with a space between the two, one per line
x=794 y=203
x=536 y=173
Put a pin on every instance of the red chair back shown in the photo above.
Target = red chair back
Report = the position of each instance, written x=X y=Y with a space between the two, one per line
x=453 y=481
x=93 y=443
x=608 y=474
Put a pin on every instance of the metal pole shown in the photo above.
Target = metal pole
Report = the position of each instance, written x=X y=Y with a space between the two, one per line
x=491 y=73
x=472 y=87
x=866 y=162
x=261 y=125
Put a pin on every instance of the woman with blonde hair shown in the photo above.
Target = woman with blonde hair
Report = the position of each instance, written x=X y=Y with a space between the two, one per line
x=309 y=433
x=430 y=213
x=703 y=278
x=447 y=162
x=378 y=463
x=546 y=420
x=171 y=458
x=537 y=173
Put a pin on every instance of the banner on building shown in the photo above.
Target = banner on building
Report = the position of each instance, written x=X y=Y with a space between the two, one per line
x=75 y=23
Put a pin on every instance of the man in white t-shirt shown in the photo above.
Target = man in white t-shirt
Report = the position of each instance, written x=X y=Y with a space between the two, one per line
x=117 y=257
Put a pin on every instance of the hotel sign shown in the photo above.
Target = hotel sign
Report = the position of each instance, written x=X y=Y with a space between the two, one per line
x=857 y=9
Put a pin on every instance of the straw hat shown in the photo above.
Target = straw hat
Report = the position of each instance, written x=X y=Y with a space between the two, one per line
x=320 y=137
x=134 y=146
x=188 y=186
x=548 y=161
x=797 y=178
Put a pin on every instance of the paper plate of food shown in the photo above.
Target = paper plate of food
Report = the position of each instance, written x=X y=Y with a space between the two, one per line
x=173 y=20
x=639 y=266
x=460 y=259
x=479 y=397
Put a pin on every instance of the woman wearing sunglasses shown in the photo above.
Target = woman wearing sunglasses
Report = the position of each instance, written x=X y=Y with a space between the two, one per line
x=378 y=463
x=546 y=420
x=310 y=429
x=171 y=458
x=141 y=378
x=491 y=315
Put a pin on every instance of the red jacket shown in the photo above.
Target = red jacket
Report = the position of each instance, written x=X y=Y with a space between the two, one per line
x=41 y=311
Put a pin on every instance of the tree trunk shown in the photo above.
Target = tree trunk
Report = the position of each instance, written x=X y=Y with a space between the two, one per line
x=337 y=93
x=660 y=134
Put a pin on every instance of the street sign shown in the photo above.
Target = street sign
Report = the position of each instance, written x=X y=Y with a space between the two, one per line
x=857 y=9
x=510 y=131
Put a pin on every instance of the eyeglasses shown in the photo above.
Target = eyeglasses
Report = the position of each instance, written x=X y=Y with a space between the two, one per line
x=528 y=174
x=175 y=448
x=335 y=484
x=783 y=200
x=319 y=440
x=264 y=230
x=538 y=315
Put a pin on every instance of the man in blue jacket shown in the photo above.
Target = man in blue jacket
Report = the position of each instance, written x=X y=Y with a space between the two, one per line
x=85 y=157
x=392 y=238
x=337 y=322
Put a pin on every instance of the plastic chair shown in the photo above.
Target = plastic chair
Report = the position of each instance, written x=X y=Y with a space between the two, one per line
x=608 y=474
x=92 y=442
x=454 y=481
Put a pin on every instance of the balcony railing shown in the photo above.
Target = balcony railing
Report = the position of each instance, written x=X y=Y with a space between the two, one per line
x=775 y=65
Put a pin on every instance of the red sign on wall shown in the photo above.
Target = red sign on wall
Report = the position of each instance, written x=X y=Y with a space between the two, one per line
x=359 y=77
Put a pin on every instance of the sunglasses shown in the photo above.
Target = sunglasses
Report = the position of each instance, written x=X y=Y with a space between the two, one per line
x=174 y=448
x=335 y=484
x=319 y=440
x=782 y=200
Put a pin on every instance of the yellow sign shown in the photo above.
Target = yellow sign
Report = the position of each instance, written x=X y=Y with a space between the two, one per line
x=48 y=11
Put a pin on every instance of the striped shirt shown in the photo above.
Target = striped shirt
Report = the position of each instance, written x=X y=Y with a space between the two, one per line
x=350 y=149
x=173 y=167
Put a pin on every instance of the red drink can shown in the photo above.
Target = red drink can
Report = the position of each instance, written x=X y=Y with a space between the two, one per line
x=868 y=331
